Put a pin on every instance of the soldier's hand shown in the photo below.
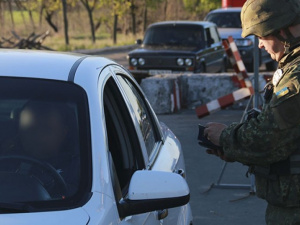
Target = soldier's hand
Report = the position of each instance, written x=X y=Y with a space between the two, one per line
x=219 y=154
x=213 y=132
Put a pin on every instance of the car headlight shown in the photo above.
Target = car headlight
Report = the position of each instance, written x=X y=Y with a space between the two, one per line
x=243 y=42
x=180 y=62
x=133 y=61
x=141 y=61
x=188 y=62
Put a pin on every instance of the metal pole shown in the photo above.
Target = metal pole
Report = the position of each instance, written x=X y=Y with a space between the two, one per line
x=256 y=80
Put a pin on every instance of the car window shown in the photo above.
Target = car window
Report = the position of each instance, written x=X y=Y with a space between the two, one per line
x=141 y=113
x=124 y=149
x=214 y=34
x=175 y=35
x=225 y=19
x=209 y=38
x=42 y=158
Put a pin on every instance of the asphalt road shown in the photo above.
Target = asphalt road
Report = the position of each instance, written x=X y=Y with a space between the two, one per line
x=217 y=206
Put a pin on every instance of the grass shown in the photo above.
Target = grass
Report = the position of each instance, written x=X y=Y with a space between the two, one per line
x=57 y=42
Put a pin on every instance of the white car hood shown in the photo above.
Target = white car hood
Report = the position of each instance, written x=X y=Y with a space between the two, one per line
x=75 y=217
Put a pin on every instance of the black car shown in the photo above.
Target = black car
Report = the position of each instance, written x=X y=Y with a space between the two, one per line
x=176 y=47
x=229 y=24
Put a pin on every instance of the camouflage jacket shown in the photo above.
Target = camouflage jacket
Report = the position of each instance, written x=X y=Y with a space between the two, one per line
x=273 y=136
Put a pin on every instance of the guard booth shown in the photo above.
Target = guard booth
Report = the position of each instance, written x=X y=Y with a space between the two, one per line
x=232 y=3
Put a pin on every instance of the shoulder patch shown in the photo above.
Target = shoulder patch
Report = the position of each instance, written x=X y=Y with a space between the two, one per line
x=282 y=92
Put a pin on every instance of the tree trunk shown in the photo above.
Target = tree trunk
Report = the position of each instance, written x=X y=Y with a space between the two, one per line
x=145 y=17
x=20 y=8
x=48 y=18
x=90 y=13
x=166 y=9
x=2 y=20
x=132 y=7
x=41 y=15
x=31 y=19
x=115 y=28
x=98 y=24
x=64 y=6
x=11 y=15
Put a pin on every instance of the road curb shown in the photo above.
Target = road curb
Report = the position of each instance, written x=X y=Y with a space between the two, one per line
x=106 y=50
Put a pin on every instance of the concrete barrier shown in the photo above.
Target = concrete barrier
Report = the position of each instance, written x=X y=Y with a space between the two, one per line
x=160 y=92
x=194 y=89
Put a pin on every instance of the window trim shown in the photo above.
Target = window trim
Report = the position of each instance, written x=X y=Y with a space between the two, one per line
x=158 y=132
x=140 y=157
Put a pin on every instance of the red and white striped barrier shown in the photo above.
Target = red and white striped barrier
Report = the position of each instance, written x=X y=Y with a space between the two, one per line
x=237 y=63
x=224 y=101
x=241 y=79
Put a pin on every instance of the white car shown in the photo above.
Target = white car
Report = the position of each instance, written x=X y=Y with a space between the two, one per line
x=80 y=144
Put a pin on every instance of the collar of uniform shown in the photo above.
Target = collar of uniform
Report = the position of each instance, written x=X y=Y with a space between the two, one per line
x=295 y=51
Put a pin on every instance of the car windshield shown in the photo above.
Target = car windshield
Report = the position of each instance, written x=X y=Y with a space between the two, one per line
x=225 y=19
x=42 y=158
x=175 y=35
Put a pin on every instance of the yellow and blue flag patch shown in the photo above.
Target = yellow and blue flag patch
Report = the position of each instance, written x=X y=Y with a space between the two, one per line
x=282 y=92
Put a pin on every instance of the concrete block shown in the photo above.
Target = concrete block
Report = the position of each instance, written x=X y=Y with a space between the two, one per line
x=159 y=91
x=198 y=89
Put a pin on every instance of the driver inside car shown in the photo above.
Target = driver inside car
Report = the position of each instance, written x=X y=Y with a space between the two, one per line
x=46 y=133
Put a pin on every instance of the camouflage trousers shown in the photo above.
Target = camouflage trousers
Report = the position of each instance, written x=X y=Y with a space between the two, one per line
x=282 y=216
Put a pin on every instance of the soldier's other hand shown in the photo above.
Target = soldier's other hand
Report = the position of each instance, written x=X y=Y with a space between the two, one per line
x=219 y=154
x=213 y=132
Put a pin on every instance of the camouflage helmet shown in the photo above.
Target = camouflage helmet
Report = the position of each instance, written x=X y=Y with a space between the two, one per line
x=265 y=17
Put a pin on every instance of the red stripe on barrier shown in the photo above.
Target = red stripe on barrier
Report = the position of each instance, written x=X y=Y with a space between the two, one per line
x=226 y=100
x=235 y=80
x=202 y=111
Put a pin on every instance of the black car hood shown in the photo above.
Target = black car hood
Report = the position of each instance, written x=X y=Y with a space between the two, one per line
x=161 y=50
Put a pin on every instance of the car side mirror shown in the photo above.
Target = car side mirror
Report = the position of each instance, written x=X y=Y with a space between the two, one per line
x=138 y=42
x=154 y=190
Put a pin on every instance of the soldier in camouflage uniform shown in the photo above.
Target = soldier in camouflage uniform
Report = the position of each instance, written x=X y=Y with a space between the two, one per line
x=270 y=143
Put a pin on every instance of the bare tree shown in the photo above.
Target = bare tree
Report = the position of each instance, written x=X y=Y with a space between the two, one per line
x=21 y=9
x=90 y=7
x=48 y=18
x=2 y=17
x=133 y=16
x=11 y=14
x=64 y=6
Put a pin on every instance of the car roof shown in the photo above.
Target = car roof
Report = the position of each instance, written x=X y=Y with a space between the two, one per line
x=226 y=10
x=183 y=22
x=42 y=64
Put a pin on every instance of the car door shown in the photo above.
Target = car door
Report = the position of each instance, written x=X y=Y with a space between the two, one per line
x=125 y=152
x=162 y=152
x=217 y=52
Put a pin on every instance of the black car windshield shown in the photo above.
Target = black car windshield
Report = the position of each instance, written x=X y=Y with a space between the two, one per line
x=43 y=162
x=175 y=35
x=225 y=19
